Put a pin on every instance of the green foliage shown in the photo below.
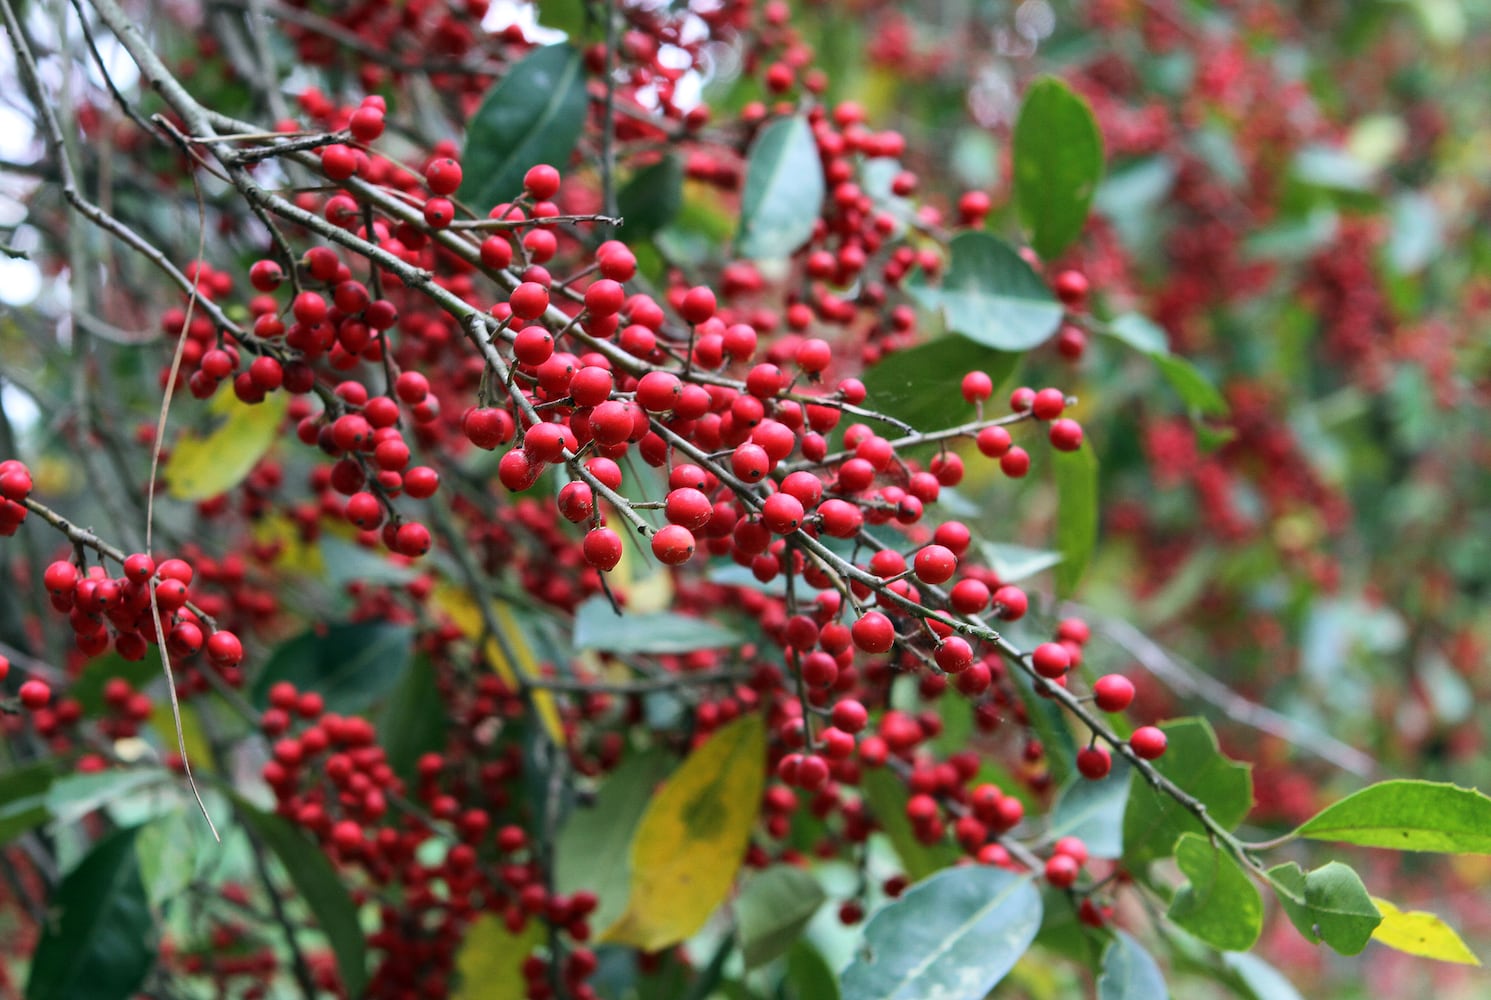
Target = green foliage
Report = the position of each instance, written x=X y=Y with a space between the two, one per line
x=1153 y=822
x=1219 y=903
x=1130 y=972
x=988 y=294
x=771 y=911
x=652 y=198
x=352 y=665
x=1408 y=816
x=953 y=935
x=599 y=627
x=922 y=384
x=783 y=190
x=1094 y=811
x=1058 y=164
x=887 y=798
x=1327 y=904
x=1077 y=513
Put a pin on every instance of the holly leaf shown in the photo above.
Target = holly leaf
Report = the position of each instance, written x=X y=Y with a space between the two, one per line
x=887 y=798
x=600 y=628
x=651 y=199
x=413 y=720
x=1093 y=811
x=1058 y=157
x=1153 y=821
x=953 y=936
x=990 y=295
x=352 y=665
x=1076 y=513
x=1408 y=815
x=692 y=838
x=490 y=962
x=100 y=942
x=772 y=910
x=1219 y=904
x=534 y=114
x=784 y=189
x=23 y=798
x=1129 y=972
x=1328 y=904
x=922 y=385
x=202 y=466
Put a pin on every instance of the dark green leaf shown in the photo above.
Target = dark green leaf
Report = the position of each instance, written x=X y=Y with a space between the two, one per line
x=922 y=385
x=1093 y=811
x=783 y=193
x=808 y=975
x=952 y=936
x=23 y=798
x=1050 y=724
x=598 y=627
x=1129 y=972
x=595 y=841
x=1194 y=388
x=1058 y=164
x=772 y=910
x=1220 y=904
x=352 y=665
x=1076 y=513
x=1408 y=816
x=990 y=294
x=1329 y=904
x=320 y=886
x=651 y=199
x=534 y=115
x=413 y=720
x=100 y=942
x=1154 y=821
x=1139 y=332
x=887 y=799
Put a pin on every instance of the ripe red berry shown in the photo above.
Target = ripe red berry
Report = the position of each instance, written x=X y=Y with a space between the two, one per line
x=542 y=182
x=1071 y=288
x=443 y=175
x=849 y=715
x=1094 y=763
x=1065 y=435
x=1048 y=404
x=1051 y=660
x=659 y=392
x=1015 y=463
x=993 y=442
x=35 y=694
x=935 y=564
x=1113 y=692
x=602 y=548
x=487 y=427
x=529 y=300
x=673 y=544
x=977 y=387
x=697 y=306
x=366 y=123
x=1149 y=742
x=873 y=632
x=1010 y=603
x=62 y=576
x=1062 y=871
x=782 y=513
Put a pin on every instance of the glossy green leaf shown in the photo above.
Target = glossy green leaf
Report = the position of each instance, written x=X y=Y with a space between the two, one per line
x=533 y=115
x=772 y=910
x=1219 y=904
x=887 y=797
x=167 y=847
x=600 y=628
x=353 y=665
x=1139 y=332
x=1194 y=388
x=413 y=720
x=1154 y=821
x=922 y=385
x=100 y=942
x=1058 y=163
x=1408 y=815
x=1014 y=563
x=1130 y=972
x=952 y=936
x=73 y=796
x=1328 y=904
x=652 y=198
x=1261 y=980
x=202 y=466
x=23 y=798
x=989 y=294
x=1076 y=513
x=320 y=886
x=784 y=190
x=1093 y=811
x=593 y=844
x=808 y=975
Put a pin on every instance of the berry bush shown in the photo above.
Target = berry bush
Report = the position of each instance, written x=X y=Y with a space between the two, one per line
x=614 y=500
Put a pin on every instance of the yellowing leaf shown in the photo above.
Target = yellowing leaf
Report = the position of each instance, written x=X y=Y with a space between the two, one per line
x=295 y=555
x=692 y=838
x=203 y=467
x=466 y=616
x=490 y=961
x=1418 y=932
x=198 y=751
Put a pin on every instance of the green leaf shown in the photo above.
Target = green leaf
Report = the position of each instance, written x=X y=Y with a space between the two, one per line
x=167 y=847
x=772 y=910
x=887 y=798
x=23 y=798
x=1220 y=904
x=1154 y=821
x=490 y=962
x=600 y=628
x=534 y=114
x=320 y=886
x=100 y=943
x=1093 y=811
x=784 y=188
x=1261 y=980
x=352 y=664
x=203 y=466
x=1408 y=816
x=1058 y=164
x=1194 y=388
x=989 y=294
x=1139 y=332
x=1129 y=972
x=922 y=385
x=592 y=849
x=952 y=936
x=88 y=689
x=1013 y=563
x=1329 y=904
x=651 y=199
x=74 y=796
x=413 y=721
x=1076 y=513
x=809 y=976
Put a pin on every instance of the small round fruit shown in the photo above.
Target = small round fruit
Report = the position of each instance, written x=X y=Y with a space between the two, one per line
x=1113 y=692
x=1149 y=742
x=1094 y=763
x=873 y=632
x=673 y=544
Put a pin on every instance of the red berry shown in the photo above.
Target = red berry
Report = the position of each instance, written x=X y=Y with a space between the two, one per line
x=542 y=182
x=443 y=175
x=1065 y=435
x=935 y=564
x=1015 y=463
x=366 y=123
x=1062 y=871
x=1051 y=660
x=1113 y=692
x=782 y=513
x=673 y=544
x=1094 y=763
x=697 y=306
x=602 y=548
x=1048 y=404
x=873 y=632
x=1148 y=742
x=529 y=300
x=35 y=694
x=977 y=387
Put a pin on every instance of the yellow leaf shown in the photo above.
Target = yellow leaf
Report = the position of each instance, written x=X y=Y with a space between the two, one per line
x=198 y=751
x=466 y=616
x=692 y=838
x=295 y=555
x=490 y=961
x=1418 y=932
x=203 y=467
